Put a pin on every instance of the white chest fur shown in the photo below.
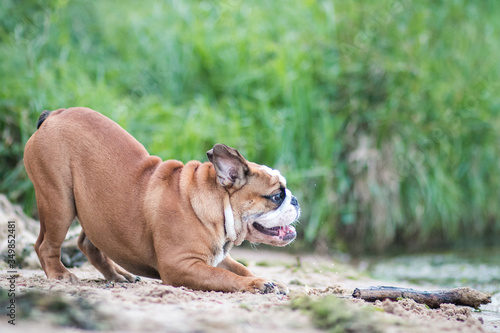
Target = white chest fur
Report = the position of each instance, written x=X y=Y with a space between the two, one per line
x=219 y=256
x=221 y=253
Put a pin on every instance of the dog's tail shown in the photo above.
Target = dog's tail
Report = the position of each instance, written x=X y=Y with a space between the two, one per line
x=42 y=118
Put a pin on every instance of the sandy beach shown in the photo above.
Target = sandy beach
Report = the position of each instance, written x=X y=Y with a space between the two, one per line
x=320 y=297
x=150 y=306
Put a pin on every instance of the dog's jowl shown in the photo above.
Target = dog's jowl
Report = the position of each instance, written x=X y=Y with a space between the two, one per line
x=141 y=215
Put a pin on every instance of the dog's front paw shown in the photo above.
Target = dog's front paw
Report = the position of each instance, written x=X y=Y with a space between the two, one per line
x=282 y=289
x=267 y=287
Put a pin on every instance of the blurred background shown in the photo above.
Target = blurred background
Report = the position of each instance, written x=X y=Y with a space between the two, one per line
x=382 y=115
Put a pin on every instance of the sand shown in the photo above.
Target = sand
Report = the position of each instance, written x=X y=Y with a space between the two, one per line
x=92 y=303
x=150 y=306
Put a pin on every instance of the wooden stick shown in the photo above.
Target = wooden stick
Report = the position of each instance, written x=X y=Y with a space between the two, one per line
x=459 y=296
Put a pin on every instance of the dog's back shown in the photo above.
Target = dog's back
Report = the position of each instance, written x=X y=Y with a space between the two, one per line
x=50 y=151
x=63 y=131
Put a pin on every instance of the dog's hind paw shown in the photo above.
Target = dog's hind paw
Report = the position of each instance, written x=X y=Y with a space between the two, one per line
x=122 y=277
x=68 y=277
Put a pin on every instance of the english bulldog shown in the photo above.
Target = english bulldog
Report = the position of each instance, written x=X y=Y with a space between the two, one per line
x=153 y=218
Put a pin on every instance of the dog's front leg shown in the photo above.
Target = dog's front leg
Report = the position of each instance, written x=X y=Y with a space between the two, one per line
x=233 y=266
x=200 y=276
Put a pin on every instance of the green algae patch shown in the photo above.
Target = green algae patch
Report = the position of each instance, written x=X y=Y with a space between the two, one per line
x=337 y=315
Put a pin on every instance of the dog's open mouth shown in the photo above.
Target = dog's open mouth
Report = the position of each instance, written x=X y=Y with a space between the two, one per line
x=286 y=232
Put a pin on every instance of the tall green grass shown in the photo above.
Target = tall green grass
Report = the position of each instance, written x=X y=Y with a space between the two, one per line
x=382 y=115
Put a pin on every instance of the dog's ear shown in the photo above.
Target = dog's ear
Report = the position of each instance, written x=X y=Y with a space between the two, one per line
x=231 y=167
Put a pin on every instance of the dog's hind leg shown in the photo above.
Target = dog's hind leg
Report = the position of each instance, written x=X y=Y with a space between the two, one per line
x=108 y=268
x=56 y=214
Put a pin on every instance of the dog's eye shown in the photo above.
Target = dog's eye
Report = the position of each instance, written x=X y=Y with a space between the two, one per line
x=278 y=198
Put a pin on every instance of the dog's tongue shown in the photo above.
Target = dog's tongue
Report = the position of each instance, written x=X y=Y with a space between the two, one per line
x=284 y=231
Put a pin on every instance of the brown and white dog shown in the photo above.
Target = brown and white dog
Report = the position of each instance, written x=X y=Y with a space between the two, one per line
x=148 y=217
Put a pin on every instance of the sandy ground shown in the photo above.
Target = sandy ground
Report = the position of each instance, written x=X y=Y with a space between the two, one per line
x=150 y=306
x=50 y=306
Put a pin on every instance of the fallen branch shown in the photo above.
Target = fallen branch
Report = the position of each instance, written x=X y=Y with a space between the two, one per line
x=459 y=296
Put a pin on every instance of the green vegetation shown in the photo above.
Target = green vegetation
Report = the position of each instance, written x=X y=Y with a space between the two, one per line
x=383 y=115
x=337 y=315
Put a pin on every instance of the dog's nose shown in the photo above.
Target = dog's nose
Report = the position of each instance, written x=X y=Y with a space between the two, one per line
x=294 y=201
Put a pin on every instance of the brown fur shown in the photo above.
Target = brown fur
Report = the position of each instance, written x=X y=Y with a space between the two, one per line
x=138 y=214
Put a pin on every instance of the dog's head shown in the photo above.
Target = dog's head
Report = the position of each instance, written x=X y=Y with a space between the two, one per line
x=258 y=207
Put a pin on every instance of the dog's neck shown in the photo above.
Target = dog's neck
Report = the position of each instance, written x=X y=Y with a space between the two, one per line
x=235 y=231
